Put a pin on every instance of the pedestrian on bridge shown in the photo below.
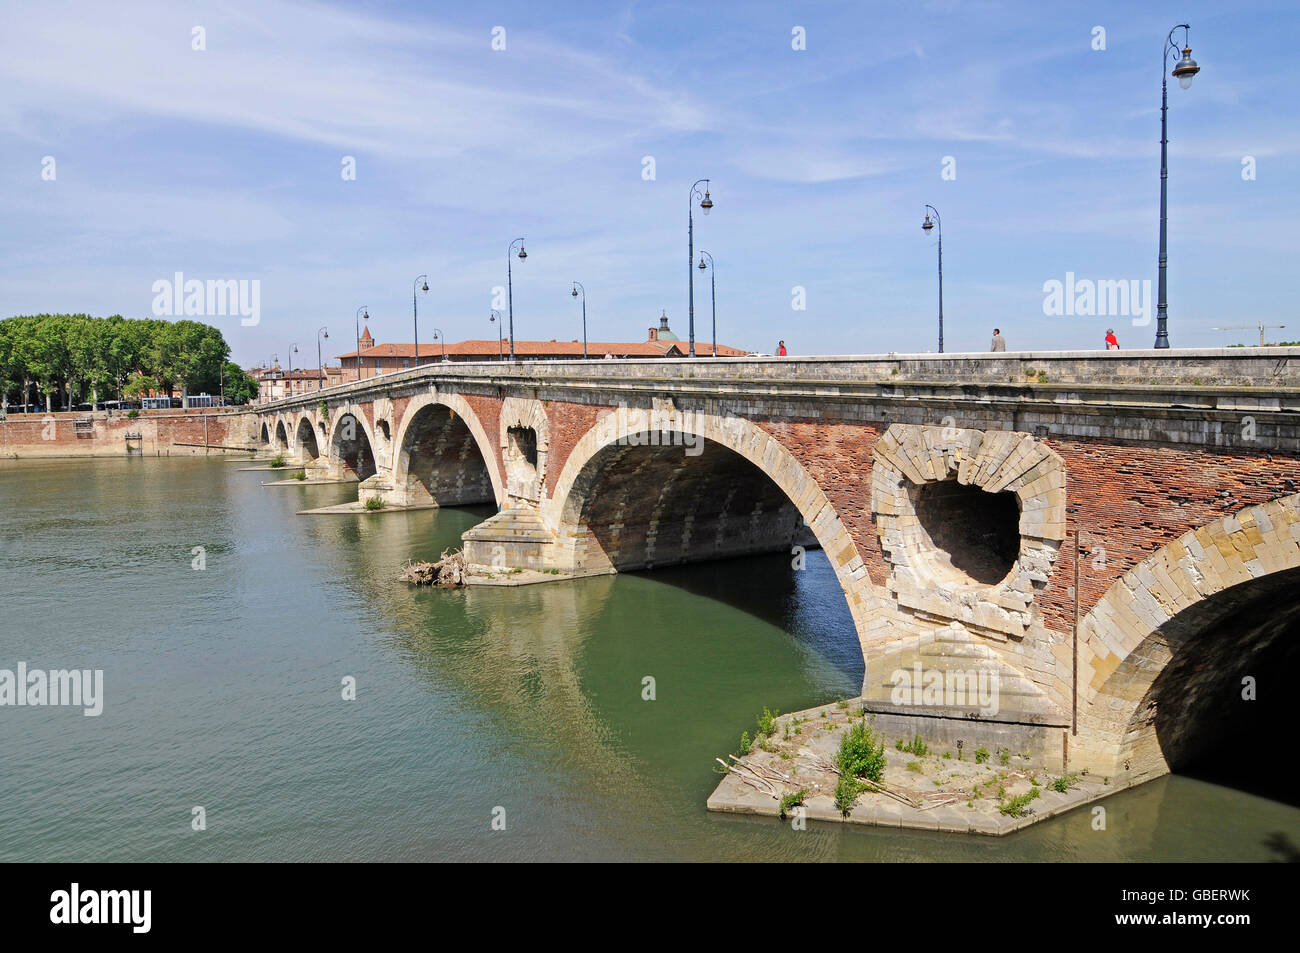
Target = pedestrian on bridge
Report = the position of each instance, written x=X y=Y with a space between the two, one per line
x=999 y=342
x=1112 y=342
x=780 y=348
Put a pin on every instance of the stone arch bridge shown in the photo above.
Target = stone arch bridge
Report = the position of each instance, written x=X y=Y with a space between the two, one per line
x=957 y=498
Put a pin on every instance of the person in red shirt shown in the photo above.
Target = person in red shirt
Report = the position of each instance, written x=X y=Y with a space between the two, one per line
x=780 y=348
x=1112 y=342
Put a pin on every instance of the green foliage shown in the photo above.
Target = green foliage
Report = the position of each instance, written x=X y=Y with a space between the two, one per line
x=300 y=475
x=745 y=745
x=1004 y=756
x=133 y=414
x=277 y=461
x=767 y=721
x=324 y=411
x=916 y=746
x=981 y=754
x=790 y=799
x=1062 y=784
x=375 y=503
x=847 y=790
x=1042 y=377
x=1018 y=806
x=76 y=357
x=238 y=387
x=916 y=766
x=862 y=753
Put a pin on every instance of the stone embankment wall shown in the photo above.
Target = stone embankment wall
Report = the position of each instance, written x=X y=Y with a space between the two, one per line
x=162 y=433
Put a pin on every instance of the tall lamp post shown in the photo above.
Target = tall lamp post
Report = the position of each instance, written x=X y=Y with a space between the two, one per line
x=495 y=318
x=320 y=365
x=1183 y=71
x=360 y=315
x=927 y=225
x=577 y=286
x=713 y=293
x=706 y=203
x=293 y=349
x=270 y=376
x=510 y=289
x=415 y=313
x=438 y=336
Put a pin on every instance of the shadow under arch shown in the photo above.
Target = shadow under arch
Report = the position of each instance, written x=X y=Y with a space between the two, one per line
x=645 y=490
x=1169 y=644
x=281 y=436
x=442 y=454
x=351 y=447
x=305 y=437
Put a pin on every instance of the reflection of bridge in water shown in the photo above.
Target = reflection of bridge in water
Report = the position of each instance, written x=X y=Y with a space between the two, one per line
x=954 y=496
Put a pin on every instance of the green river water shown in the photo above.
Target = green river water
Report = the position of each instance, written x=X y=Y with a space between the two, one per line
x=223 y=690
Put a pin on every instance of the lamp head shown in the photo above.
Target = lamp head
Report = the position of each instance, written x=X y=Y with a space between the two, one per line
x=702 y=263
x=706 y=203
x=522 y=254
x=326 y=334
x=575 y=291
x=928 y=223
x=1186 y=69
x=425 y=286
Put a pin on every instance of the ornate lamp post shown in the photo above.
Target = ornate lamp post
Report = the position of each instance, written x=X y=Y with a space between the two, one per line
x=437 y=336
x=415 y=314
x=320 y=365
x=706 y=203
x=927 y=225
x=577 y=286
x=293 y=349
x=713 y=293
x=1185 y=69
x=510 y=290
x=360 y=315
x=495 y=317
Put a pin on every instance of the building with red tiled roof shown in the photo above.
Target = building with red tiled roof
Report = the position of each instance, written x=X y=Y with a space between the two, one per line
x=388 y=358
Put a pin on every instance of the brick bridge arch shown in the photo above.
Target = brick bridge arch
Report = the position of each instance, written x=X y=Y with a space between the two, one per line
x=1150 y=666
x=433 y=454
x=639 y=468
x=342 y=453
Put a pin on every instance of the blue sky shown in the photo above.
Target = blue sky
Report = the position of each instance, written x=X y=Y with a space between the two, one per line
x=225 y=163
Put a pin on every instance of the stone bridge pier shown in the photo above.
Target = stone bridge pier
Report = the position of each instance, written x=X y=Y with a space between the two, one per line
x=1087 y=556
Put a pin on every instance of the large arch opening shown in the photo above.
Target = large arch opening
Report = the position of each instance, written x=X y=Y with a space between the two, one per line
x=306 y=437
x=639 y=505
x=706 y=519
x=441 y=462
x=1211 y=658
x=351 y=449
x=265 y=437
x=281 y=435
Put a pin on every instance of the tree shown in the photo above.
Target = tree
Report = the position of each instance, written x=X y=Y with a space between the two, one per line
x=240 y=388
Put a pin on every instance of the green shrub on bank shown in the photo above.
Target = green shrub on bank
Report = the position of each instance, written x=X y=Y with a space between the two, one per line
x=375 y=503
x=278 y=461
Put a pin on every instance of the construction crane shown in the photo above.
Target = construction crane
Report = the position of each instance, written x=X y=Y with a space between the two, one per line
x=1247 y=327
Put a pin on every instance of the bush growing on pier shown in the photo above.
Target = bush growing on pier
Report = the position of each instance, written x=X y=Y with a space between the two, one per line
x=375 y=503
x=981 y=754
x=1018 y=806
x=916 y=746
x=745 y=746
x=767 y=721
x=1062 y=784
x=862 y=753
x=790 y=799
x=278 y=461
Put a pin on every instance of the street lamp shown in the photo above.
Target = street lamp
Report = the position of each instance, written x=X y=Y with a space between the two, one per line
x=270 y=376
x=713 y=292
x=927 y=225
x=706 y=203
x=293 y=349
x=1185 y=69
x=494 y=317
x=510 y=290
x=360 y=315
x=415 y=314
x=320 y=365
x=438 y=336
x=577 y=286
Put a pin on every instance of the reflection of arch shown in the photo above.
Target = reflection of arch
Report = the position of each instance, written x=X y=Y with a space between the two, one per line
x=352 y=447
x=1170 y=641
x=454 y=462
x=671 y=495
x=305 y=439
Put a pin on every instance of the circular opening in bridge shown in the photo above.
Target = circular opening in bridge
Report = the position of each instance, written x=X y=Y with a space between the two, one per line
x=973 y=535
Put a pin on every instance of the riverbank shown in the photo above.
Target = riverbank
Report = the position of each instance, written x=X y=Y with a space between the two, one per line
x=923 y=786
x=153 y=433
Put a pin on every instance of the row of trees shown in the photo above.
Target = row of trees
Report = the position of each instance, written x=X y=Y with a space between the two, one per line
x=66 y=359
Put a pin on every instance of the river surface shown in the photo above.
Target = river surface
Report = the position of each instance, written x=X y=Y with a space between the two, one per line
x=223 y=690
